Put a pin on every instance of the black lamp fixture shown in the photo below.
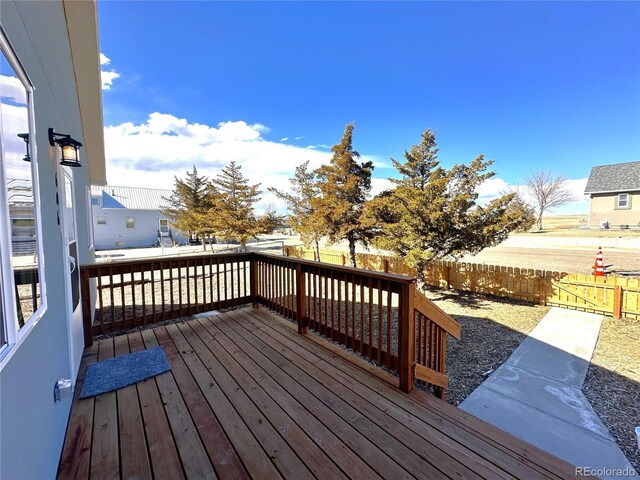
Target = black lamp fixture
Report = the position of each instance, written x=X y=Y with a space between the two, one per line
x=25 y=137
x=69 y=148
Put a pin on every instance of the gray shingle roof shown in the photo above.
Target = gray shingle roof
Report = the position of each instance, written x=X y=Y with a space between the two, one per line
x=621 y=177
x=133 y=198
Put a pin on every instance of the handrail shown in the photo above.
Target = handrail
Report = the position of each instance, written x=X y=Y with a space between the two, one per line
x=379 y=315
x=438 y=316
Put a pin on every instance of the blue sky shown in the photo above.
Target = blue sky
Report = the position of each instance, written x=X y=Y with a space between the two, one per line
x=552 y=86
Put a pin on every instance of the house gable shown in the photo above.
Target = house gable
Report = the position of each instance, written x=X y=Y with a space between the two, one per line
x=620 y=177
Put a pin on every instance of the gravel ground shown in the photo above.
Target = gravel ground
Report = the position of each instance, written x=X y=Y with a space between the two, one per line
x=612 y=385
x=492 y=328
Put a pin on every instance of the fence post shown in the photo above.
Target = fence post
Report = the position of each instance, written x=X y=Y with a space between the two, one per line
x=448 y=275
x=301 y=301
x=407 y=336
x=617 y=302
x=253 y=285
x=385 y=265
x=286 y=251
x=86 y=307
x=344 y=260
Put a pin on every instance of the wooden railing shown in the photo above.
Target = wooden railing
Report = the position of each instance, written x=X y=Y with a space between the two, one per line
x=133 y=293
x=380 y=316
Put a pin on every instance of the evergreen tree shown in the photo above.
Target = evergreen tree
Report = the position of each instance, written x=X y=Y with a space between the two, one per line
x=269 y=220
x=432 y=212
x=303 y=216
x=234 y=199
x=344 y=186
x=189 y=203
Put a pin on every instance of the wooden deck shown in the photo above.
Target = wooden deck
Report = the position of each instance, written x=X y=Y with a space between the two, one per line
x=249 y=397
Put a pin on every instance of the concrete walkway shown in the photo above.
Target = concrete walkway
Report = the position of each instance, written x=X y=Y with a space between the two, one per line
x=536 y=394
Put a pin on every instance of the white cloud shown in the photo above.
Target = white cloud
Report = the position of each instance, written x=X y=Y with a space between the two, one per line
x=107 y=76
x=284 y=139
x=11 y=89
x=152 y=153
x=494 y=187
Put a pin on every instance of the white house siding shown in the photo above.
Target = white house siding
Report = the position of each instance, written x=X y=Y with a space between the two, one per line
x=32 y=425
x=115 y=234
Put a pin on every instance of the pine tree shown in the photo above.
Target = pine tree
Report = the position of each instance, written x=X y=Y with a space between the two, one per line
x=432 y=212
x=344 y=186
x=303 y=216
x=234 y=198
x=188 y=203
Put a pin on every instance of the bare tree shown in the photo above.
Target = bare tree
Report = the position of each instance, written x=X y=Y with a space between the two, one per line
x=548 y=191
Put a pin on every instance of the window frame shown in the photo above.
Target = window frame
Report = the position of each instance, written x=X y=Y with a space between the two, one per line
x=14 y=336
x=133 y=223
x=627 y=199
x=98 y=222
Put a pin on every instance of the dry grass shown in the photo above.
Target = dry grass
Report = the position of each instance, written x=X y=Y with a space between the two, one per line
x=575 y=226
x=613 y=382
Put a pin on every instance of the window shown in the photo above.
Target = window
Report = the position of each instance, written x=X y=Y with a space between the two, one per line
x=95 y=200
x=101 y=220
x=623 y=201
x=131 y=223
x=21 y=293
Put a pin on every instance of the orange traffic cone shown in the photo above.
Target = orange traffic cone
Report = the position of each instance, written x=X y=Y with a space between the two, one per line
x=598 y=268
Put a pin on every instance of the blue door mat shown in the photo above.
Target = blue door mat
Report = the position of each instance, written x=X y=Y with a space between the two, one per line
x=114 y=373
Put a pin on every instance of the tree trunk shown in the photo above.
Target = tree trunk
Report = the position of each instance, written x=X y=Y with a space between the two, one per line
x=540 y=223
x=352 y=252
x=317 y=243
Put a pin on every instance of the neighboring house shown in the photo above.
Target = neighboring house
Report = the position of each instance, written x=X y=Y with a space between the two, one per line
x=131 y=217
x=614 y=195
x=49 y=79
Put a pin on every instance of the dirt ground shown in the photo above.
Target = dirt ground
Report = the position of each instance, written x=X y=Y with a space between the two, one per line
x=613 y=382
x=492 y=328
x=612 y=385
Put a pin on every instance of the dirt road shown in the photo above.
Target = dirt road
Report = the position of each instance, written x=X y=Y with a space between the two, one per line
x=563 y=260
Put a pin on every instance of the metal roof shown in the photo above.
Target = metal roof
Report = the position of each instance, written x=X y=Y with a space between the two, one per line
x=620 y=177
x=132 y=198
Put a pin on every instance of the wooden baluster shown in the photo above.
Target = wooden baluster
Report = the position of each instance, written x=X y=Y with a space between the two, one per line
x=153 y=293
x=231 y=280
x=362 y=307
x=419 y=338
x=254 y=281
x=379 y=355
x=187 y=263
x=333 y=322
x=87 y=321
x=100 y=302
x=370 y=346
x=301 y=301
x=389 y=325
x=162 y=298
x=353 y=312
x=142 y=292
x=406 y=336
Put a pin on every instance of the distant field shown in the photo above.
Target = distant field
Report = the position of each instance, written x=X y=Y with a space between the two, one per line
x=574 y=226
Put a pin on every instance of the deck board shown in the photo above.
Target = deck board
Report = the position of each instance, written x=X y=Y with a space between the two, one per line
x=248 y=397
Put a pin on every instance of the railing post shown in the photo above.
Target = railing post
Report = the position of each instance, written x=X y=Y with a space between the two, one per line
x=407 y=336
x=617 y=302
x=253 y=284
x=87 y=322
x=301 y=301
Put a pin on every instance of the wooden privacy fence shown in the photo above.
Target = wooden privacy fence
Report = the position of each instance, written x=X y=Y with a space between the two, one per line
x=378 y=315
x=615 y=296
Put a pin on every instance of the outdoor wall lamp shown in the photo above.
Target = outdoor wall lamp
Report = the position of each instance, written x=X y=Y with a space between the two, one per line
x=25 y=137
x=69 y=148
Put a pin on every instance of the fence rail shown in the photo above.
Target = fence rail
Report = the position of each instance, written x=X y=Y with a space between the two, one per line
x=615 y=296
x=377 y=315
